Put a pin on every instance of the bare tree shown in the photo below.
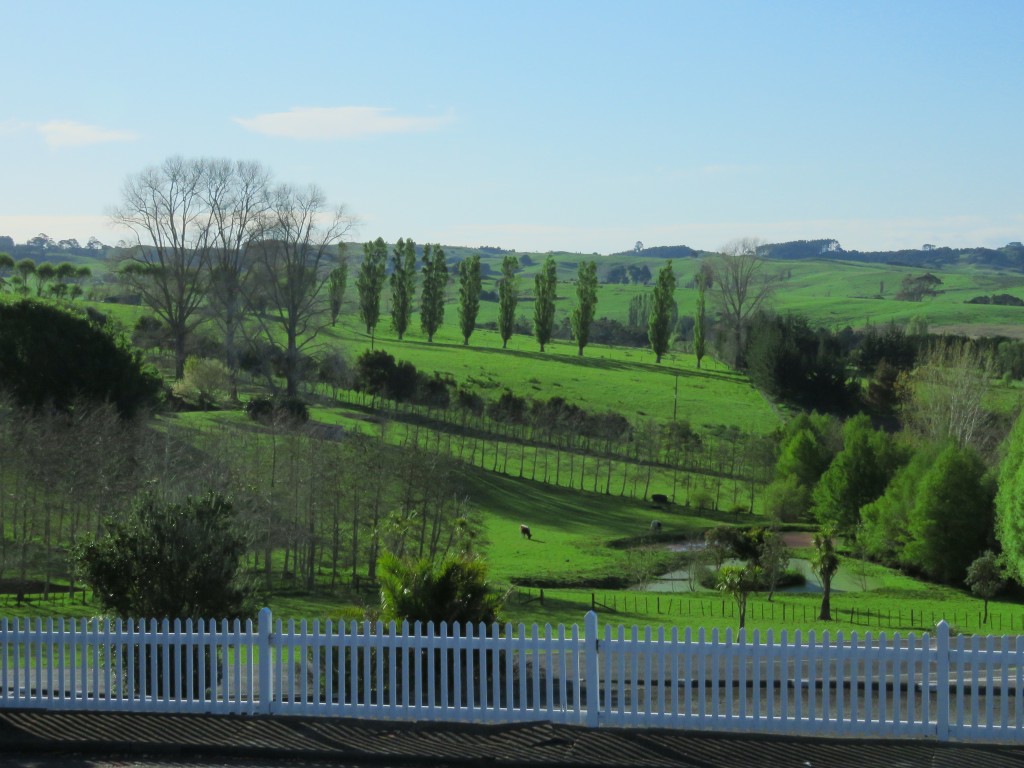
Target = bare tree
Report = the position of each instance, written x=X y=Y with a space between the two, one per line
x=943 y=397
x=741 y=286
x=292 y=262
x=237 y=195
x=165 y=210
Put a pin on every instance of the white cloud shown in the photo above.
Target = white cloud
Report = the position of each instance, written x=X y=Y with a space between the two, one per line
x=68 y=133
x=338 y=122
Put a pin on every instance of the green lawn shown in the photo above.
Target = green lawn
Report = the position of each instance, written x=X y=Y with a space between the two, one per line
x=577 y=535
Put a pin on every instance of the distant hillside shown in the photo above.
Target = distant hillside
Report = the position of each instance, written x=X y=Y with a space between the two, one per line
x=659 y=252
x=1010 y=256
x=67 y=250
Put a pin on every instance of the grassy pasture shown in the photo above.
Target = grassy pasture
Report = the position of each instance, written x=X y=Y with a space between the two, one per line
x=617 y=379
x=574 y=531
x=831 y=293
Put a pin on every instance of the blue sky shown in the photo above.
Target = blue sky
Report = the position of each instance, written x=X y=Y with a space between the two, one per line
x=578 y=126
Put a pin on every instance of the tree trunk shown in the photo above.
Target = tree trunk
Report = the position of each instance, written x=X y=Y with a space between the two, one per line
x=825 y=614
x=179 y=352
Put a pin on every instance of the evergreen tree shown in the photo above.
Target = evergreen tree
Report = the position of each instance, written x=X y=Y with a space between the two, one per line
x=639 y=310
x=55 y=360
x=172 y=560
x=403 y=284
x=469 y=295
x=699 y=318
x=336 y=284
x=435 y=281
x=951 y=520
x=545 y=293
x=586 y=302
x=659 y=325
x=883 y=532
x=857 y=476
x=508 y=297
x=6 y=265
x=370 y=283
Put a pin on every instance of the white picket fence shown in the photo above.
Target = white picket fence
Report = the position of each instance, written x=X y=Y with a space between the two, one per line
x=929 y=685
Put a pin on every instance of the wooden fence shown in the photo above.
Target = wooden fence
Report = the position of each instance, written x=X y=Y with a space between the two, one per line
x=928 y=685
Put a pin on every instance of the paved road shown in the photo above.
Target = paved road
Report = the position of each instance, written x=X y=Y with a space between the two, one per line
x=91 y=739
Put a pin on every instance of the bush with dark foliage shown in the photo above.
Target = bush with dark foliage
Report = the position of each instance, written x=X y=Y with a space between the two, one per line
x=53 y=358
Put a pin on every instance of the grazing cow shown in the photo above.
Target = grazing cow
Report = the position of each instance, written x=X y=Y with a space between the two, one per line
x=655 y=526
x=659 y=498
x=524 y=531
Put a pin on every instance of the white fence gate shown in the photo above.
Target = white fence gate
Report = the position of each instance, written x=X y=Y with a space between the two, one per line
x=798 y=683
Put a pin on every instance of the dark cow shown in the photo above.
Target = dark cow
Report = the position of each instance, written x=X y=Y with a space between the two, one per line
x=659 y=498
x=524 y=531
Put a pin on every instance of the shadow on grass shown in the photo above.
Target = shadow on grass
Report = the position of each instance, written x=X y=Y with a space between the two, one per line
x=559 y=507
x=597 y=363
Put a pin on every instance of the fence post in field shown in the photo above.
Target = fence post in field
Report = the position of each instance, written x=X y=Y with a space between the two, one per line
x=592 y=676
x=266 y=681
x=942 y=680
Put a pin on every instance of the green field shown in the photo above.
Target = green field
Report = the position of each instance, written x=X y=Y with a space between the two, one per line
x=579 y=553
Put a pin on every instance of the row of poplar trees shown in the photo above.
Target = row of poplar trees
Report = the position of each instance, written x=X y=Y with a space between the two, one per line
x=373 y=275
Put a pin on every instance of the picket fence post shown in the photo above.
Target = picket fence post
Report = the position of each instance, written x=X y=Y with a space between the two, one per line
x=942 y=680
x=593 y=666
x=266 y=680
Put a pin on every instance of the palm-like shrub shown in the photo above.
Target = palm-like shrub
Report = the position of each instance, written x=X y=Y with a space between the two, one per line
x=452 y=590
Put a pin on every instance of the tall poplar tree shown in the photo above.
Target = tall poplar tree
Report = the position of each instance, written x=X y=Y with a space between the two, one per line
x=435 y=281
x=586 y=303
x=370 y=283
x=337 y=281
x=545 y=286
x=508 y=297
x=659 y=326
x=702 y=280
x=469 y=295
x=403 y=284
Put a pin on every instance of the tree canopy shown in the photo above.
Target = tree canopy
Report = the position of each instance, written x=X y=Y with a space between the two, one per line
x=165 y=560
x=582 y=314
x=508 y=297
x=51 y=357
x=435 y=284
x=858 y=475
x=1009 y=502
x=403 y=285
x=663 y=305
x=469 y=295
x=545 y=295
x=370 y=282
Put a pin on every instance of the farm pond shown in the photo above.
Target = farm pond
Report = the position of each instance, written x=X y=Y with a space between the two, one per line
x=844 y=581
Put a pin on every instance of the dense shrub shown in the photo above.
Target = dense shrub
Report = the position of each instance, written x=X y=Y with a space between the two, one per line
x=51 y=357
x=267 y=409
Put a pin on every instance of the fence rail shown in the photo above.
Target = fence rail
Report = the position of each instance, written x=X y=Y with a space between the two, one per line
x=927 y=685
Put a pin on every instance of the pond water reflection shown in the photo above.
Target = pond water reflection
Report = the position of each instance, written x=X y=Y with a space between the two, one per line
x=846 y=580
